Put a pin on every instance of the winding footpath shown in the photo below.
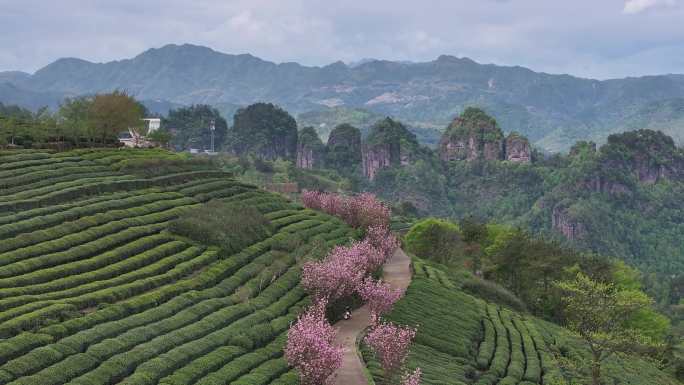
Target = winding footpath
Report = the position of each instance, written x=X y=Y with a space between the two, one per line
x=397 y=272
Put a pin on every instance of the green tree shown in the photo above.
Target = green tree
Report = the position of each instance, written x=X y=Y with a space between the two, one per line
x=73 y=118
x=161 y=136
x=435 y=239
x=113 y=113
x=265 y=130
x=598 y=313
x=344 y=148
x=190 y=127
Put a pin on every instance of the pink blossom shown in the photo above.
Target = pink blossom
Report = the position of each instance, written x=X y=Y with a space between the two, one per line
x=382 y=239
x=360 y=211
x=412 y=378
x=337 y=276
x=310 y=346
x=379 y=296
x=390 y=344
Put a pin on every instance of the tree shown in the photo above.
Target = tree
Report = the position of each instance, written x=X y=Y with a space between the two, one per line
x=160 y=136
x=598 y=313
x=190 y=127
x=73 y=119
x=391 y=344
x=344 y=148
x=379 y=296
x=310 y=348
x=434 y=238
x=265 y=130
x=113 y=113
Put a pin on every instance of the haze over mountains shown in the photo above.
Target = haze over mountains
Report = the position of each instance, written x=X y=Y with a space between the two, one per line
x=552 y=110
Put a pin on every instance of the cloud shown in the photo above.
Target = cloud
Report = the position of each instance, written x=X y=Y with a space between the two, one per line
x=639 y=6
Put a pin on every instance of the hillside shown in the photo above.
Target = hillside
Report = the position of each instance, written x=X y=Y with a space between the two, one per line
x=552 y=110
x=103 y=279
x=462 y=340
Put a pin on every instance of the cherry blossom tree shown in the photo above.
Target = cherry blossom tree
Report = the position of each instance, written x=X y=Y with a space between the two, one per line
x=310 y=347
x=338 y=275
x=383 y=240
x=391 y=345
x=379 y=296
x=412 y=378
x=359 y=211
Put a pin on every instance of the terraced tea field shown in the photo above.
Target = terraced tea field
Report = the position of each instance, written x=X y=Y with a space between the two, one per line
x=464 y=340
x=94 y=289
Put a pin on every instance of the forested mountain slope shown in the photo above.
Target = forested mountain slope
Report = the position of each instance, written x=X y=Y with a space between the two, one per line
x=552 y=110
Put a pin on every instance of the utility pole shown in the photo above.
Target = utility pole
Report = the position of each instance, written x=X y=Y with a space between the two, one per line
x=212 y=127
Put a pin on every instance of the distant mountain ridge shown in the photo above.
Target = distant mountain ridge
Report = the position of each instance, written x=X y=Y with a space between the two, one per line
x=552 y=110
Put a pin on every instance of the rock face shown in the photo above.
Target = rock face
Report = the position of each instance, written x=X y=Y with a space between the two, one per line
x=471 y=136
x=518 y=148
x=343 y=151
x=310 y=150
x=648 y=155
x=389 y=143
x=563 y=222
x=375 y=158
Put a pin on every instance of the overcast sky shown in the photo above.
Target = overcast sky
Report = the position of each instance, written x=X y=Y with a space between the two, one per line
x=589 y=38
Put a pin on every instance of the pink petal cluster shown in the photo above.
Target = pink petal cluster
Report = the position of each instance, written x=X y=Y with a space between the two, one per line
x=338 y=275
x=390 y=344
x=310 y=346
x=379 y=296
x=359 y=211
x=382 y=240
x=412 y=378
x=342 y=272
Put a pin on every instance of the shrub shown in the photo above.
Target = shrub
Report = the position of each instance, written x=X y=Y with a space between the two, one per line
x=434 y=239
x=491 y=292
x=229 y=226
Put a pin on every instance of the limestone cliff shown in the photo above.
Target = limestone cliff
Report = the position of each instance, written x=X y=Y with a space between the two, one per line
x=471 y=136
x=649 y=156
x=310 y=149
x=389 y=143
x=518 y=148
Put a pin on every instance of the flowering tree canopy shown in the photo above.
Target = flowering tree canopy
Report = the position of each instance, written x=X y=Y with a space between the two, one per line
x=379 y=296
x=390 y=344
x=412 y=378
x=359 y=211
x=310 y=346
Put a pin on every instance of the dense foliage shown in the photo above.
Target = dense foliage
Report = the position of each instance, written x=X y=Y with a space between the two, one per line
x=85 y=121
x=190 y=127
x=265 y=130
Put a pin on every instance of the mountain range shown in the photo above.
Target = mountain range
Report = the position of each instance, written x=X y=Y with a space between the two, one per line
x=554 y=111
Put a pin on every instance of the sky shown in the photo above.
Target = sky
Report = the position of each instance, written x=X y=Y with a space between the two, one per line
x=588 y=38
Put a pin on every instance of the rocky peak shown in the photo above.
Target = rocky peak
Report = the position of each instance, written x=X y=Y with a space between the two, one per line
x=518 y=148
x=389 y=143
x=472 y=135
x=344 y=148
x=648 y=155
x=310 y=149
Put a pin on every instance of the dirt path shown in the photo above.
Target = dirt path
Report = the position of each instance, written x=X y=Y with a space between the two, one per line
x=397 y=272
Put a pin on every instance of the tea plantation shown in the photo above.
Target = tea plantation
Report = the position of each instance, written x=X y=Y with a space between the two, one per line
x=95 y=289
x=465 y=340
